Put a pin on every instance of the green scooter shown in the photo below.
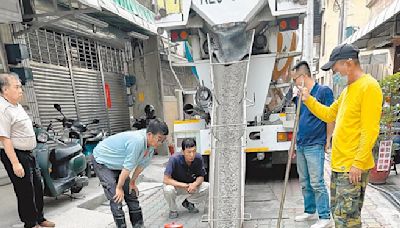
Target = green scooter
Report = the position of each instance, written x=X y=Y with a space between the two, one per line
x=63 y=167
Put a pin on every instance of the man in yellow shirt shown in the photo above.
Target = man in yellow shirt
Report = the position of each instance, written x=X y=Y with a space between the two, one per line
x=357 y=115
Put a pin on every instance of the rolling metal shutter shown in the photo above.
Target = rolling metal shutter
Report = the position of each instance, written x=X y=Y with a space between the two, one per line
x=119 y=112
x=90 y=95
x=66 y=70
x=53 y=85
x=113 y=68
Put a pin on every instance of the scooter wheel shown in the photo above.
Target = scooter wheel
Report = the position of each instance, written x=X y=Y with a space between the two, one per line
x=76 y=189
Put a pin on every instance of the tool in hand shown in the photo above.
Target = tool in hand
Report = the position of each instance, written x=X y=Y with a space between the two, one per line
x=290 y=155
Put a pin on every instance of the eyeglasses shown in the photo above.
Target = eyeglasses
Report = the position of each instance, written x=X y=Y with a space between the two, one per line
x=294 y=79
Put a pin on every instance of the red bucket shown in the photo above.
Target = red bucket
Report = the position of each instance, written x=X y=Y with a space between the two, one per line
x=173 y=225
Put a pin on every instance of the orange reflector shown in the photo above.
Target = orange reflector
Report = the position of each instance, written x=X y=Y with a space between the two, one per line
x=282 y=137
x=184 y=35
x=283 y=25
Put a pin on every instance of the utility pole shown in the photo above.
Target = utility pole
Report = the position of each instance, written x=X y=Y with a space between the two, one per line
x=309 y=34
x=342 y=22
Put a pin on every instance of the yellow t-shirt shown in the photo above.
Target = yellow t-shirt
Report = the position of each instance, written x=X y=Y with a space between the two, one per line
x=357 y=113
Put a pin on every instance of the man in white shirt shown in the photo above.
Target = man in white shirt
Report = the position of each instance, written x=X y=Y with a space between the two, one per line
x=17 y=140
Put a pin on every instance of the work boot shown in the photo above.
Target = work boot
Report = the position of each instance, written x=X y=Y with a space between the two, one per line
x=120 y=222
x=136 y=219
x=190 y=206
x=173 y=215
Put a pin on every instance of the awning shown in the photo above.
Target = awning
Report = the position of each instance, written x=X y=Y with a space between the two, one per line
x=130 y=10
x=379 y=30
x=10 y=12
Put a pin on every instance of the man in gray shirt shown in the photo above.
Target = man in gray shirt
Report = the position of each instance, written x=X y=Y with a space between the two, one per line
x=17 y=140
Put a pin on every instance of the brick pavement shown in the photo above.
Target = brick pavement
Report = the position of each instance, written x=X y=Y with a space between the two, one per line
x=377 y=211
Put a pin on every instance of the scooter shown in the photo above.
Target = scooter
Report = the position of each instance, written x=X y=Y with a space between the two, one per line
x=89 y=142
x=75 y=131
x=143 y=121
x=62 y=167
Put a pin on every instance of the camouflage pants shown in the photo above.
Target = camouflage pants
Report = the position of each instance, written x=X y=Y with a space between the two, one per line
x=347 y=200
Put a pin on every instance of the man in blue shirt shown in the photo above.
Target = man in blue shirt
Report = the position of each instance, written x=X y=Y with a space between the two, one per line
x=184 y=175
x=113 y=160
x=313 y=140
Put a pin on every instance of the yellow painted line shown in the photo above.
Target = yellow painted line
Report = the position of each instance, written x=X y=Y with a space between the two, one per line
x=256 y=149
x=282 y=114
x=186 y=121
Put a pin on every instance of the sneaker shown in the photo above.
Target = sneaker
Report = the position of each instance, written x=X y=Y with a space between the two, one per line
x=305 y=217
x=173 y=215
x=190 y=206
x=47 y=223
x=322 y=223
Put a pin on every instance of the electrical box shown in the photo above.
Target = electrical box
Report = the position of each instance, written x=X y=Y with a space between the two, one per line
x=130 y=80
x=25 y=74
x=16 y=53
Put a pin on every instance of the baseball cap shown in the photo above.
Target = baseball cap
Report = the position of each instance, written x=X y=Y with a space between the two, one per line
x=344 y=51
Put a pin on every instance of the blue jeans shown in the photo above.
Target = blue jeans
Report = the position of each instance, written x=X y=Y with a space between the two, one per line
x=310 y=166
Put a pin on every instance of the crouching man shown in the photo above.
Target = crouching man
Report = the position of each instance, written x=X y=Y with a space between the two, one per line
x=113 y=160
x=184 y=175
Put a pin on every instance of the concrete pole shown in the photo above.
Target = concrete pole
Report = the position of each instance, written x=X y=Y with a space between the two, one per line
x=309 y=34
x=342 y=21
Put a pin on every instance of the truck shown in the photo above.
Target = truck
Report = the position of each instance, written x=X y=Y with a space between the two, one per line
x=241 y=115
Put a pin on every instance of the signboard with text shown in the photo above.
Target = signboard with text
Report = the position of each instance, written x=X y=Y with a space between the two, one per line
x=218 y=12
x=384 y=156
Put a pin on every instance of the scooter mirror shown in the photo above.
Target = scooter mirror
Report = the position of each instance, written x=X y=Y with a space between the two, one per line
x=58 y=107
x=96 y=121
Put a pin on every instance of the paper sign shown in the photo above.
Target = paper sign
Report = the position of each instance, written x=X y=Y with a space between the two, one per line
x=384 y=156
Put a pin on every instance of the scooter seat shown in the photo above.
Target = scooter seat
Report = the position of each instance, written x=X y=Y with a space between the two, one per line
x=69 y=149
x=96 y=138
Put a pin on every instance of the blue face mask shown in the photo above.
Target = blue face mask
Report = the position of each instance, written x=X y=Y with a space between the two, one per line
x=340 y=80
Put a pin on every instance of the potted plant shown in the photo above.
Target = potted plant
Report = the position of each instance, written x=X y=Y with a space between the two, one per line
x=390 y=123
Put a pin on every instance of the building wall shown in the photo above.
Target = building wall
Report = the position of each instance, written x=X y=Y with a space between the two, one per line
x=357 y=16
x=147 y=3
x=146 y=68
x=184 y=74
x=154 y=78
x=189 y=83
x=377 y=6
x=5 y=37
